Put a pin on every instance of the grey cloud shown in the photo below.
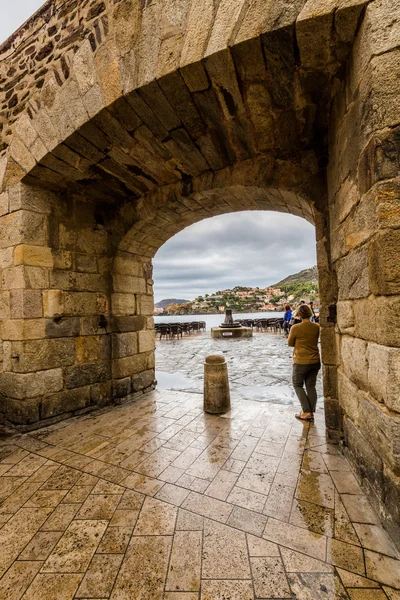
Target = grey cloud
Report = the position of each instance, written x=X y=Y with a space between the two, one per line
x=14 y=14
x=235 y=230
x=249 y=248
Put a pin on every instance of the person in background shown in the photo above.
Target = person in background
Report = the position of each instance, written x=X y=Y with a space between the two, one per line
x=295 y=314
x=313 y=317
x=286 y=319
x=306 y=362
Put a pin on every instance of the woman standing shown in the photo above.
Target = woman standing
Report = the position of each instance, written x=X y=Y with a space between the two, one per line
x=306 y=362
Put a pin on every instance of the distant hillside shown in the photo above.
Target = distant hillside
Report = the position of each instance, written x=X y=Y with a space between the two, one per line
x=296 y=287
x=305 y=276
x=164 y=303
x=301 y=286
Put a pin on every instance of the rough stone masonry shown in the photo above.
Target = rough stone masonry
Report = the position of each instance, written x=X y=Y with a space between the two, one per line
x=124 y=121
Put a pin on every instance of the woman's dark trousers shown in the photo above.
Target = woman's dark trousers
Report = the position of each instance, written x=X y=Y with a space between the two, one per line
x=306 y=375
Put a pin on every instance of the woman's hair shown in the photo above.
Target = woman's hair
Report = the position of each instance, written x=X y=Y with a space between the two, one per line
x=287 y=307
x=304 y=311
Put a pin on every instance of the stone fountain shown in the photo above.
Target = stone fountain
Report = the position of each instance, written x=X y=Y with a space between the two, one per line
x=230 y=329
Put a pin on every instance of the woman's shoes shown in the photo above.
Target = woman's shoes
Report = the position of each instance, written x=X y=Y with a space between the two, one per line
x=309 y=417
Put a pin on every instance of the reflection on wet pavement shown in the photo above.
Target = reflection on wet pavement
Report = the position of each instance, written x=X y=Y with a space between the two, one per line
x=260 y=368
x=156 y=500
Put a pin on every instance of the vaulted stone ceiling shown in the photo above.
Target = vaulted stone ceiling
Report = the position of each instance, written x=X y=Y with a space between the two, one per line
x=174 y=95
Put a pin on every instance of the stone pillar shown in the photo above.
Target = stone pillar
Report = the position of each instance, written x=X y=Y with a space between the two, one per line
x=364 y=191
x=54 y=306
x=217 y=398
x=328 y=302
x=133 y=340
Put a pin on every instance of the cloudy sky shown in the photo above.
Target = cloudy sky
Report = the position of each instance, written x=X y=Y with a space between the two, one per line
x=15 y=12
x=254 y=248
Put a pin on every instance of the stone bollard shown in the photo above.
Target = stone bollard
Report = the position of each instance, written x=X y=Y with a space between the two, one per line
x=217 y=399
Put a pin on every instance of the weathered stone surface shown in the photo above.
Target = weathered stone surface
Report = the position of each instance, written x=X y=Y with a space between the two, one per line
x=143 y=380
x=97 y=325
x=92 y=348
x=379 y=160
x=82 y=375
x=386 y=198
x=124 y=344
x=349 y=398
x=62 y=327
x=345 y=317
x=36 y=256
x=229 y=15
x=57 y=303
x=126 y=284
x=382 y=101
x=126 y=324
x=62 y=259
x=126 y=264
x=22 y=329
x=354 y=360
x=4 y=305
x=384 y=374
x=86 y=263
x=345 y=200
x=329 y=350
x=121 y=388
x=22 y=412
x=360 y=226
x=124 y=367
x=84 y=68
x=100 y=393
x=6 y=258
x=313 y=29
x=37 y=355
x=384 y=263
x=123 y=304
x=146 y=341
x=31 y=385
x=333 y=414
x=64 y=402
x=146 y=305
x=198 y=27
x=53 y=304
x=377 y=319
x=367 y=462
x=4 y=204
x=26 y=304
x=330 y=381
x=352 y=273
x=382 y=430
x=22 y=226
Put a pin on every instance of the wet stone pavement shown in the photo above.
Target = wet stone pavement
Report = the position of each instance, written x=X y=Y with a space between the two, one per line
x=260 y=368
x=156 y=500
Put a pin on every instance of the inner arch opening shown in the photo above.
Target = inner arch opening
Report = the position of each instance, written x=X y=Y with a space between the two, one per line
x=233 y=261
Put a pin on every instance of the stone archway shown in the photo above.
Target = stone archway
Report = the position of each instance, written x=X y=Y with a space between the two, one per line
x=129 y=121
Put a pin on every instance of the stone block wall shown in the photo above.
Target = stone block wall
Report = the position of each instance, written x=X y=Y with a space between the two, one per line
x=73 y=336
x=43 y=47
x=364 y=188
x=133 y=340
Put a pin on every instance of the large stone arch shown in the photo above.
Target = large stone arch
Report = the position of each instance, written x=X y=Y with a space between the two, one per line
x=123 y=122
x=156 y=220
